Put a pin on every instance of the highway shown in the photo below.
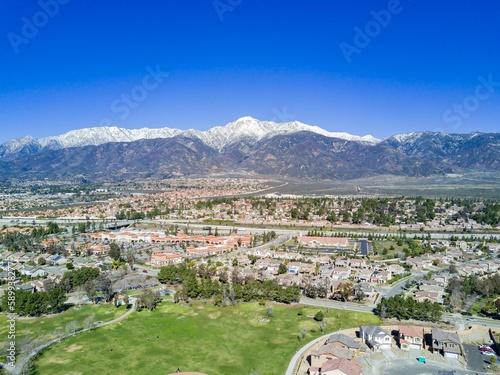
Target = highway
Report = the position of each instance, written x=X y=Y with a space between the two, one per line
x=295 y=232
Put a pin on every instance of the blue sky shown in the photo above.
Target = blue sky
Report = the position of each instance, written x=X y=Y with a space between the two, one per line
x=365 y=67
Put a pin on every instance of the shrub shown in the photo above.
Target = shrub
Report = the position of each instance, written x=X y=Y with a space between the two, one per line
x=319 y=316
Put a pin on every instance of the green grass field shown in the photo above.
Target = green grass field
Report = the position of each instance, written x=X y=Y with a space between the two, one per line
x=49 y=327
x=202 y=338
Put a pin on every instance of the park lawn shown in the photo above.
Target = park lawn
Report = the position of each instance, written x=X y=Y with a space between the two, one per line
x=202 y=338
x=50 y=326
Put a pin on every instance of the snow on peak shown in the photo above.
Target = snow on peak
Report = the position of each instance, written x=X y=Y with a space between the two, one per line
x=245 y=128
x=251 y=129
x=405 y=136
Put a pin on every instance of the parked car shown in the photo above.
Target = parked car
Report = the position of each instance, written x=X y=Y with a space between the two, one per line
x=486 y=350
x=145 y=271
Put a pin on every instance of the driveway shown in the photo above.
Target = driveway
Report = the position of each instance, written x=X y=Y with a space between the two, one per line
x=412 y=367
x=475 y=360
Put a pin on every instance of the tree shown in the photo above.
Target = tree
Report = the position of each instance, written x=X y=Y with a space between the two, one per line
x=343 y=291
x=71 y=327
x=282 y=269
x=224 y=277
x=89 y=288
x=322 y=325
x=131 y=259
x=319 y=316
x=114 y=251
x=148 y=300
x=126 y=300
x=88 y=323
x=104 y=285
x=270 y=311
x=359 y=294
x=311 y=291
x=36 y=304
x=302 y=334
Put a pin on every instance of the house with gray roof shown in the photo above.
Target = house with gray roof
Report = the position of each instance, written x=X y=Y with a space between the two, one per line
x=344 y=341
x=375 y=337
x=446 y=343
x=330 y=351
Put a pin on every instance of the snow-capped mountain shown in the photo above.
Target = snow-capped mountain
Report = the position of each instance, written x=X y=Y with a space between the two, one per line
x=252 y=130
x=246 y=146
x=245 y=129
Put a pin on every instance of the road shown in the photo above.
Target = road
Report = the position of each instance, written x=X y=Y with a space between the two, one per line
x=399 y=287
x=463 y=322
x=458 y=319
x=296 y=232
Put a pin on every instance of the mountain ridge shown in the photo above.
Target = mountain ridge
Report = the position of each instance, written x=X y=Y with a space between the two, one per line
x=218 y=137
x=251 y=147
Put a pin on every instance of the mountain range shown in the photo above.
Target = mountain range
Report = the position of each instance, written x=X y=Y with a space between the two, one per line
x=246 y=146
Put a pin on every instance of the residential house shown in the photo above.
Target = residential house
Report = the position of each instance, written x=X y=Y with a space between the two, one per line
x=380 y=277
x=28 y=287
x=363 y=275
x=340 y=366
x=287 y=255
x=262 y=253
x=307 y=268
x=341 y=273
x=342 y=262
x=357 y=263
x=330 y=351
x=33 y=271
x=271 y=265
x=421 y=296
x=411 y=337
x=345 y=341
x=41 y=285
x=56 y=260
x=293 y=267
x=375 y=337
x=369 y=290
x=7 y=276
x=446 y=343
x=415 y=263
x=396 y=269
